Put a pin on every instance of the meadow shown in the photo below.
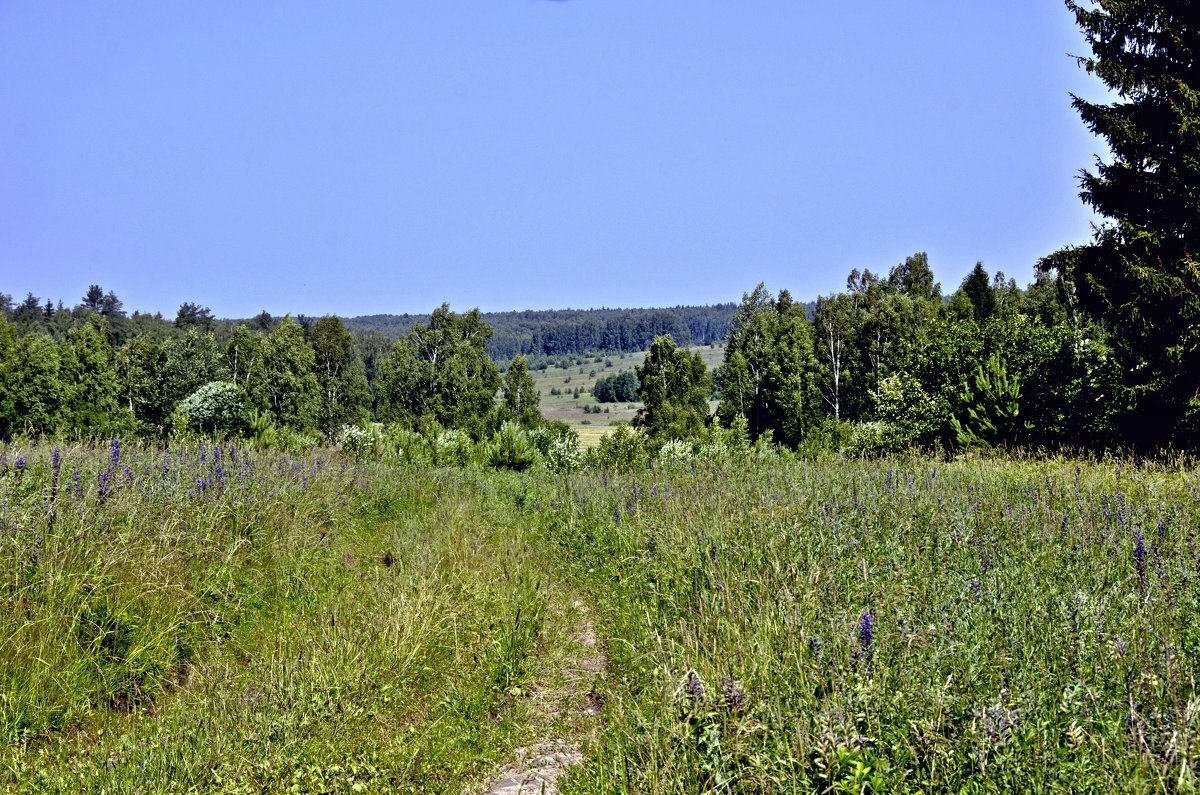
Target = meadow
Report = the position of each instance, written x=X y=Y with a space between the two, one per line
x=216 y=618
x=565 y=405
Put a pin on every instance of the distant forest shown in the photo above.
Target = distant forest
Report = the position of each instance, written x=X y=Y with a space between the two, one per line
x=558 y=332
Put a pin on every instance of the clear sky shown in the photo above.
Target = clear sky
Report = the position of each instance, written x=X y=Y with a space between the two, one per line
x=359 y=157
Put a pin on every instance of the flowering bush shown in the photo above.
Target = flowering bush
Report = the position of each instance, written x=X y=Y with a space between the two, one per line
x=355 y=441
x=218 y=407
x=564 y=455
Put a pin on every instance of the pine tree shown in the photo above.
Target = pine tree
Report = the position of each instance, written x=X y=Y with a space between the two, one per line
x=1141 y=273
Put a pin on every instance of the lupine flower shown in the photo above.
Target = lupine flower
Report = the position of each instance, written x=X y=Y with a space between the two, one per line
x=1122 y=647
x=693 y=686
x=115 y=457
x=104 y=476
x=617 y=514
x=77 y=483
x=976 y=587
x=1139 y=557
x=866 y=631
x=1162 y=529
x=20 y=463
x=56 y=468
x=732 y=694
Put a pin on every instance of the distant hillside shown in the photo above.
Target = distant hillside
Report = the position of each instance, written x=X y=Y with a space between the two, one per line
x=555 y=332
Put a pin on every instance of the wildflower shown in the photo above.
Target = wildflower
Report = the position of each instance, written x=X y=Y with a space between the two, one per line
x=104 y=476
x=693 y=686
x=732 y=694
x=20 y=463
x=976 y=588
x=1162 y=529
x=1139 y=558
x=77 y=483
x=115 y=456
x=866 y=631
x=617 y=514
x=1122 y=647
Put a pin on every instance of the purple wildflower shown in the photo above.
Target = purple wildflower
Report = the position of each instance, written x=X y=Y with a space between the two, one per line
x=1162 y=529
x=866 y=631
x=976 y=588
x=20 y=463
x=617 y=514
x=693 y=686
x=115 y=456
x=733 y=696
x=1139 y=558
x=77 y=483
x=104 y=476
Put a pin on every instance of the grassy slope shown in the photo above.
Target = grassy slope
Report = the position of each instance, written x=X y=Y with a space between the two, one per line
x=310 y=623
x=569 y=409
x=317 y=629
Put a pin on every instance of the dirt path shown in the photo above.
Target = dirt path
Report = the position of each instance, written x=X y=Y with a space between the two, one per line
x=565 y=702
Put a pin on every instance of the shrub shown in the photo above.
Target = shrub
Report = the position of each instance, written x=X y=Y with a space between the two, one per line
x=621 y=450
x=564 y=455
x=218 y=407
x=355 y=441
x=511 y=448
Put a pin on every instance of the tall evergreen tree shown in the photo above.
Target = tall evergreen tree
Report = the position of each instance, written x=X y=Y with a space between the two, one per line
x=1141 y=273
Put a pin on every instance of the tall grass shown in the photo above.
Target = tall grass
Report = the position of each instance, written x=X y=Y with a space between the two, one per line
x=902 y=626
x=231 y=620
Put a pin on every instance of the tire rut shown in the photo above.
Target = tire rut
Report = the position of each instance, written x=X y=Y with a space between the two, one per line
x=575 y=703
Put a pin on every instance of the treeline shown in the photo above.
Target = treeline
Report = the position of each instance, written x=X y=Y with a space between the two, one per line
x=891 y=363
x=553 y=333
x=92 y=370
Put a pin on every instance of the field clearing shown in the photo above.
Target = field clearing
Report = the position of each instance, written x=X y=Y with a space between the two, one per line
x=212 y=619
x=569 y=408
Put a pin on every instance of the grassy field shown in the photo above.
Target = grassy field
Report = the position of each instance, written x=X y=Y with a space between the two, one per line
x=569 y=407
x=222 y=620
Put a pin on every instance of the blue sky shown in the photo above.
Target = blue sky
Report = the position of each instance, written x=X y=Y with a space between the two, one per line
x=362 y=157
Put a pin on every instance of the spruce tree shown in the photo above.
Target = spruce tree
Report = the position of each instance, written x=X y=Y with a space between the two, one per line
x=1141 y=273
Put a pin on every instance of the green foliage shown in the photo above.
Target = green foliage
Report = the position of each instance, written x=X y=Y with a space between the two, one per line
x=89 y=380
x=520 y=394
x=909 y=416
x=186 y=362
x=674 y=387
x=977 y=289
x=218 y=408
x=512 y=448
x=1140 y=275
x=32 y=389
x=993 y=406
x=441 y=373
x=619 y=388
x=768 y=376
x=621 y=451
x=341 y=378
x=282 y=383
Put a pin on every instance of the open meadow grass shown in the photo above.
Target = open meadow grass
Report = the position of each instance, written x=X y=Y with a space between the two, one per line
x=207 y=619
x=567 y=406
